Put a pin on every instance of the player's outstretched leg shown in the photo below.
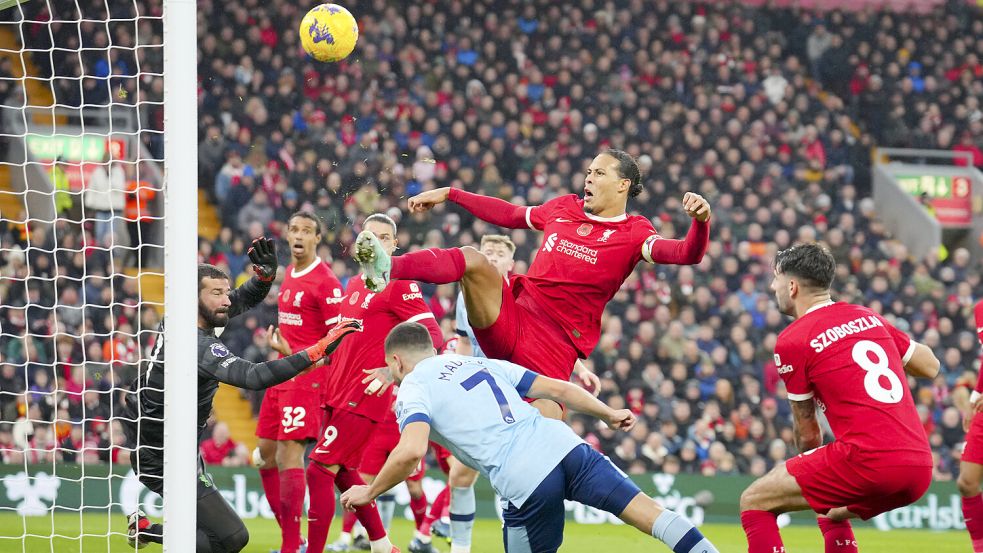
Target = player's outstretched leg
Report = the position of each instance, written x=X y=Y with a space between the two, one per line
x=368 y=515
x=970 y=477
x=375 y=262
x=666 y=526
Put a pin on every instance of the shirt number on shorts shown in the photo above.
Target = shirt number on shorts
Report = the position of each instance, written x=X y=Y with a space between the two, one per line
x=876 y=368
x=484 y=376
x=293 y=417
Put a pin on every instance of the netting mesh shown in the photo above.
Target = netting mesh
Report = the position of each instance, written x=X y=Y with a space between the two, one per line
x=81 y=149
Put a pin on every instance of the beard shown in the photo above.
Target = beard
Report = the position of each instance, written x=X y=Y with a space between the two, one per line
x=212 y=318
x=784 y=305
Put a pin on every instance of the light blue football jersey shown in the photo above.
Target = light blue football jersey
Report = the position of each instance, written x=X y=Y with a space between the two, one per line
x=464 y=329
x=475 y=409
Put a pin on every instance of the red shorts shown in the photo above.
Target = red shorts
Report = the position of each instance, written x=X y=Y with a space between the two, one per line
x=834 y=476
x=974 y=442
x=380 y=446
x=441 y=454
x=526 y=336
x=343 y=438
x=289 y=415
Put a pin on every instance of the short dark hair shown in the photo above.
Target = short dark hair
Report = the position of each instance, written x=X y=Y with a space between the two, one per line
x=210 y=271
x=627 y=169
x=811 y=263
x=309 y=216
x=381 y=218
x=412 y=336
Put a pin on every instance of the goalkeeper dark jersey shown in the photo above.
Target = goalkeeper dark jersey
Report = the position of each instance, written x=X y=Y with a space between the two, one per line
x=144 y=413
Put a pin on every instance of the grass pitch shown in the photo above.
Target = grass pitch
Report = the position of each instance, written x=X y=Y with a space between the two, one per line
x=88 y=534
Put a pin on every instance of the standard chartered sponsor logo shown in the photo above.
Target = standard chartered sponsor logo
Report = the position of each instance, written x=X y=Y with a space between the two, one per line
x=291 y=319
x=577 y=251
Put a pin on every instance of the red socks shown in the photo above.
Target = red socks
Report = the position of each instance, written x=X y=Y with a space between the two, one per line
x=271 y=486
x=419 y=508
x=368 y=515
x=838 y=536
x=321 y=483
x=761 y=528
x=437 y=509
x=348 y=522
x=433 y=266
x=973 y=513
x=292 y=487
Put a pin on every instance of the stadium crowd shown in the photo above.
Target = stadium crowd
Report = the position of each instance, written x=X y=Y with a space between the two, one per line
x=770 y=114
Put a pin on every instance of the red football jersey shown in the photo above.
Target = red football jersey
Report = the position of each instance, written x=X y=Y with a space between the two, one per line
x=401 y=301
x=978 y=314
x=308 y=305
x=852 y=361
x=583 y=261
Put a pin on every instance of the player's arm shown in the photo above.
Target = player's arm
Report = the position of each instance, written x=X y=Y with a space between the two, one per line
x=493 y=210
x=414 y=440
x=690 y=250
x=921 y=361
x=262 y=254
x=576 y=398
x=215 y=361
x=807 y=432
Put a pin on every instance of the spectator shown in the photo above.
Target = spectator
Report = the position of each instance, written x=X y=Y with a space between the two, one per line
x=220 y=449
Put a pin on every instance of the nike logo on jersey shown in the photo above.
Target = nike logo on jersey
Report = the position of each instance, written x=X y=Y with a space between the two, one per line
x=562 y=220
x=979 y=329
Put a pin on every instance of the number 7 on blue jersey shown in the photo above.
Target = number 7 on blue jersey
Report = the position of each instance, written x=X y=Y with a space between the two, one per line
x=484 y=376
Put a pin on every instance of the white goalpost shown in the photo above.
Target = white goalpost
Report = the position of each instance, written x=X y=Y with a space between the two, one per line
x=98 y=244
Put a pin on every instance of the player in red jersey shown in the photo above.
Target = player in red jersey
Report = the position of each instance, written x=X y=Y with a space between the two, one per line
x=971 y=465
x=354 y=412
x=851 y=363
x=290 y=413
x=550 y=317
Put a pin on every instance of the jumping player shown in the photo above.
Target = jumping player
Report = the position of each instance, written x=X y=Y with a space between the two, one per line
x=971 y=465
x=474 y=407
x=353 y=413
x=549 y=318
x=851 y=363
x=290 y=414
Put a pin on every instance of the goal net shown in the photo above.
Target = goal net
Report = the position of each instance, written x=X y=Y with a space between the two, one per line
x=82 y=230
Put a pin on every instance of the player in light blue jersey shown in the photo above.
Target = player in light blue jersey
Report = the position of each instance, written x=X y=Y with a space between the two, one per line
x=475 y=408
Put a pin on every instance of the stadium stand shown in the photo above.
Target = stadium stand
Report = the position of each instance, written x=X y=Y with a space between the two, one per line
x=772 y=115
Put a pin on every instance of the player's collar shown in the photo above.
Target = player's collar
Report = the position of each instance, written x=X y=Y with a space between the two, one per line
x=615 y=219
x=297 y=274
x=819 y=306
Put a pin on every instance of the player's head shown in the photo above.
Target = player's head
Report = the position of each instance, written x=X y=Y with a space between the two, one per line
x=611 y=179
x=214 y=286
x=406 y=345
x=500 y=250
x=384 y=228
x=303 y=235
x=802 y=272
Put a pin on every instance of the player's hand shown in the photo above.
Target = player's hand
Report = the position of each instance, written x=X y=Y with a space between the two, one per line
x=968 y=417
x=378 y=380
x=326 y=346
x=262 y=254
x=277 y=342
x=356 y=496
x=621 y=419
x=696 y=206
x=588 y=379
x=426 y=200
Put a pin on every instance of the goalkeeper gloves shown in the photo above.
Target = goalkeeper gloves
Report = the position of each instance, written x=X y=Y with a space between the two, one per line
x=263 y=256
x=325 y=346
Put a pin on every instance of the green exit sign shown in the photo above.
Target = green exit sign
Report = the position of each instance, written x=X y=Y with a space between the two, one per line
x=69 y=148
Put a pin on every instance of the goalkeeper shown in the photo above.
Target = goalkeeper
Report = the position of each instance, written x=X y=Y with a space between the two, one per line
x=220 y=530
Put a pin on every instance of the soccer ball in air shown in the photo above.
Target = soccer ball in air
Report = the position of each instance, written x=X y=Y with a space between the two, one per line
x=328 y=32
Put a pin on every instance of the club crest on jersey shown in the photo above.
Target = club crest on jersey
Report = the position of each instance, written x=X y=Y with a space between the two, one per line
x=219 y=350
x=297 y=298
x=585 y=229
x=607 y=234
x=368 y=298
x=354 y=299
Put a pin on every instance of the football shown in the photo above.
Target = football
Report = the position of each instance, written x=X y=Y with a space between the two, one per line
x=328 y=32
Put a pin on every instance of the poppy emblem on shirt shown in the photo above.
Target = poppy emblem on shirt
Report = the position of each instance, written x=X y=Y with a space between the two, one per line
x=354 y=298
x=219 y=350
x=585 y=229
